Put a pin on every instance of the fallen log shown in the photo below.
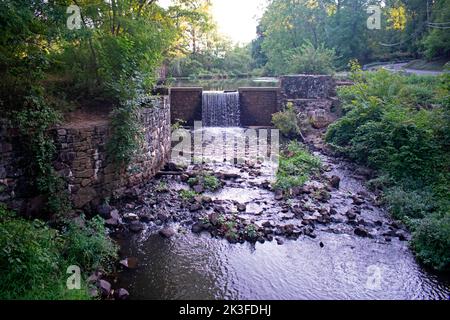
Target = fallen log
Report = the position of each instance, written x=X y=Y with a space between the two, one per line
x=169 y=173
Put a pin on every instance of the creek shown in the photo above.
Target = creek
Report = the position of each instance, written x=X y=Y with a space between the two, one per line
x=318 y=250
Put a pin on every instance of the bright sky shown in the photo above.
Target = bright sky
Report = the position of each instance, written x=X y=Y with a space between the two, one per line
x=236 y=19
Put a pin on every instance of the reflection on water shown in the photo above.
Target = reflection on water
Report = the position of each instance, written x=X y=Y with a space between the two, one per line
x=198 y=267
x=226 y=84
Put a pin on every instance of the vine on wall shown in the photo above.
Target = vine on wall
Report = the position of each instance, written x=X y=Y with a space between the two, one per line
x=127 y=132
x=34 y=122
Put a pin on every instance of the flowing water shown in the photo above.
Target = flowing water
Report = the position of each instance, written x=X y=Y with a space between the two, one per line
x=221 y=109
x=335 y=265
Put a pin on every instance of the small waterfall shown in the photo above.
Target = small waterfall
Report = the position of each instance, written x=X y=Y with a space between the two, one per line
x=221 y=109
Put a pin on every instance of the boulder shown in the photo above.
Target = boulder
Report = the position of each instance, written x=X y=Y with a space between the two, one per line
x=163 y=216
x=206 y=199
x=130 y=263
x=115 y=214
x=104 y=210
x=351 y=214
x=83 y=197
x=94 y=277
x=195 y=207
x=214 y=218
x=198 y=188
x=167 y=233
x=105 y=288
x=335 y=182
x=323 y=196
x=288 y=229
x=121 y=294
x=401 y=235
x=113 y=222
x=360 y=232
x=279 y=195
x=130 y=217
x=267 y=224
x=230 y=176
x=241 y=207
x=136 y=226
x=197 y=227
x=357 y=201
x=319 y=119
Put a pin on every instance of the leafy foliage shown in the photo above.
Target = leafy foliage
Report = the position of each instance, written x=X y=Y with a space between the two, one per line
x=206 y=180
x=127 y=134
x=437 y=42
x=296 y=167
x=89 y=246
x=34 y=257
x=400 y=127
x=286 y=121
x=288 y=25
x=431 y=241
x=311 y=60
x=34 y=123
x=188 y=195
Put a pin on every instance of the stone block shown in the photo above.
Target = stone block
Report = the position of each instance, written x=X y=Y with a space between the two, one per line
x=84 y=196
x=307 y=86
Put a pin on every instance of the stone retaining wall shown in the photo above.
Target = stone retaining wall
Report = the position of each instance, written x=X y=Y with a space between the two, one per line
x=305 y=86
x=83 y=161
x=312 y=97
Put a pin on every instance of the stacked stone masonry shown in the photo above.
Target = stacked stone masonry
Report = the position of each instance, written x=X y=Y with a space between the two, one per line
x=82 y=159
x=312 y=96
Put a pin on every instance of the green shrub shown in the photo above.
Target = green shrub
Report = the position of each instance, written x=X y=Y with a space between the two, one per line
x=34 y=257
x=311 y=60
x=127 y=133
x=399 y=125
x=29 y=258
x=188 y=194
x=384 y=131
x=31 y=265
x=34 y=122
x=431 y=241
x=211 y=183
x=89 y=246
x=414 y=204
x=296 y=166
x=206 y=180
x=286 y=121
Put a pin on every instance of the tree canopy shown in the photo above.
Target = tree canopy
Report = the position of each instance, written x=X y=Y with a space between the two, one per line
x=409 y=28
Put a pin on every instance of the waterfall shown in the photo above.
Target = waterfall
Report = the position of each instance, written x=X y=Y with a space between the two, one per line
x=221 y=109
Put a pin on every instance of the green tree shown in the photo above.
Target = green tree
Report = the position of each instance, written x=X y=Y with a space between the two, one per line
x=437 y=42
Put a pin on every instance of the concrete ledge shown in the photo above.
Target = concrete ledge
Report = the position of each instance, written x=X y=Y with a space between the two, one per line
x=270 y=89
x=185 y=89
